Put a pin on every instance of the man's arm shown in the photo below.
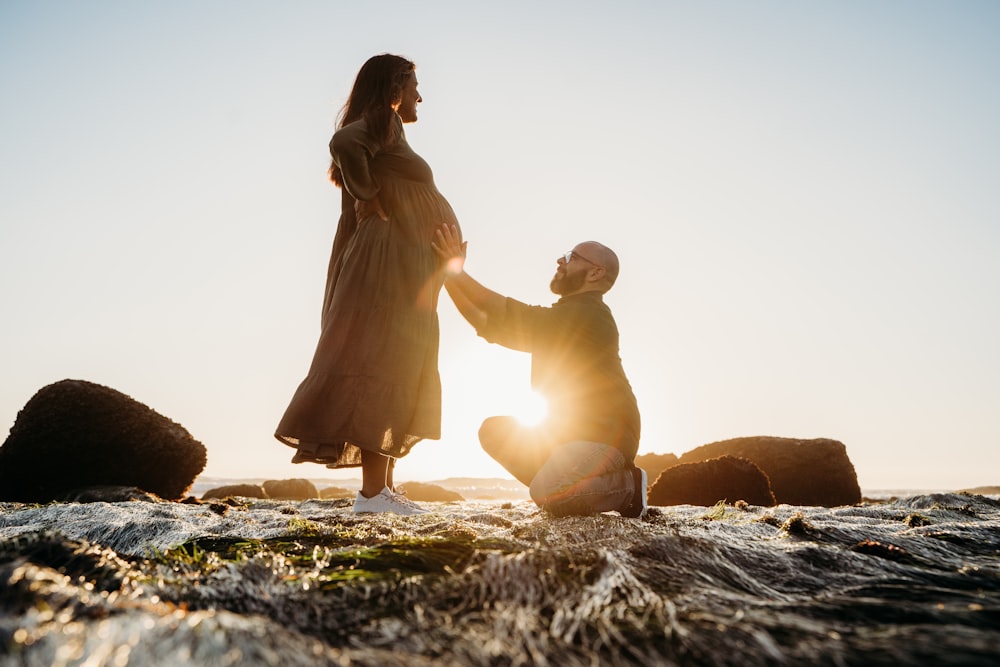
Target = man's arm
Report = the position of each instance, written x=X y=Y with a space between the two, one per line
x=476 y=303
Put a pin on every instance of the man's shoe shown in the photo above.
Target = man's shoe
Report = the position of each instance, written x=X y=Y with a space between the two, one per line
x=386 y=501
x=637 y=506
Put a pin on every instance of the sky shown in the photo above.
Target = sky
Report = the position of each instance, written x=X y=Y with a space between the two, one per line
x=803 y=197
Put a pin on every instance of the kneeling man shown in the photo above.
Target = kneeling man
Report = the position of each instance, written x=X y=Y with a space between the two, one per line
x=581 y=460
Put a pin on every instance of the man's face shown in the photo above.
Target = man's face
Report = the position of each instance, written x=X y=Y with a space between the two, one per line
x=407 y=108
x=571 y=273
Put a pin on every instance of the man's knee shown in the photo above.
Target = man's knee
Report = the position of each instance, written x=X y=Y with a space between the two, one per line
x=494 y=434
x=549 y=486
x=539 y=491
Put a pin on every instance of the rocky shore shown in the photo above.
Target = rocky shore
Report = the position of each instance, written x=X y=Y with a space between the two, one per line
x=757 y=551
x=264 y=582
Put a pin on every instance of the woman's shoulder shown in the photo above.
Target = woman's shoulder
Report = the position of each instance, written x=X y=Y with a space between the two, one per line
x=352 y=132
x=357 y=132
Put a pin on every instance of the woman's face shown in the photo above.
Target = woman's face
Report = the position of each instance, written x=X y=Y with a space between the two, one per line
x=407 y=107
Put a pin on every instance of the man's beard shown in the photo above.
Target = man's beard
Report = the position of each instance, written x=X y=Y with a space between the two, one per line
x=567 y=283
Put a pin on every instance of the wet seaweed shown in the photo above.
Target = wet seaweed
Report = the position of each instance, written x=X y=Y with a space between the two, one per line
x=307 y=582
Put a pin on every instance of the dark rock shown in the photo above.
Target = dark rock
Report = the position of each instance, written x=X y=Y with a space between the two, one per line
x=429 y=493
x=231 y=490
x=802 y=472
x=290 y=489
x=727 y=478
x=654 y=464
x=75 y=434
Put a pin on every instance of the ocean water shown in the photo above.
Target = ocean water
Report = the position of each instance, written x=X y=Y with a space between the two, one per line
x=504 y=489
x=910 y=581
x=470 y=488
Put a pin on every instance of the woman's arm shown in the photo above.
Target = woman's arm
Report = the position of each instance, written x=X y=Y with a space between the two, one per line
x=476 y=303
x=352 y=151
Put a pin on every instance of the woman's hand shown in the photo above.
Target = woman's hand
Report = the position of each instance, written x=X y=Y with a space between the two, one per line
x=450 y=247
x=364 y=209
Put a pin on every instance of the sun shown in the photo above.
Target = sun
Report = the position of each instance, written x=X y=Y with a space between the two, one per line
x=529 y=408
x=481 y=381
x=478 y=381
x=508 y=388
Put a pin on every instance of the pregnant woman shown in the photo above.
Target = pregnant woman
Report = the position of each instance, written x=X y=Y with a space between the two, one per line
x=373 y=389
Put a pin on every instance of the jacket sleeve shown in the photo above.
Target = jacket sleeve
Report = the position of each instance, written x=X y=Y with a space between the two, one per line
x=518 y=327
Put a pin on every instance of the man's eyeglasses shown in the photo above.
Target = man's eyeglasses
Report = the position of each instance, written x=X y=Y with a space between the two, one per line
x=568 y=257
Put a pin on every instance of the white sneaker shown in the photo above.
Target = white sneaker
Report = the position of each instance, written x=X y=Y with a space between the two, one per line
x=386 y=501
x=401 y=497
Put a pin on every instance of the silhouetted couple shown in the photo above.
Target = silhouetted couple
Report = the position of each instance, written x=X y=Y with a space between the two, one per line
x=373 y=390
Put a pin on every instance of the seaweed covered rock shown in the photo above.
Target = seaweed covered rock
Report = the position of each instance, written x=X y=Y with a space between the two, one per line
x=230 y=490
x=311 y=584
x=109 y=494
x=75 y=434
x=802 y=472
x=290 y=489
x=79 y=560
x=727 y=478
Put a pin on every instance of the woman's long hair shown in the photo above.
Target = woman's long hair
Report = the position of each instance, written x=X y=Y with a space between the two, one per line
x=378 y=86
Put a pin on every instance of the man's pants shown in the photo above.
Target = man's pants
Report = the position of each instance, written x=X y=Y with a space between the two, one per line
x=576 y=477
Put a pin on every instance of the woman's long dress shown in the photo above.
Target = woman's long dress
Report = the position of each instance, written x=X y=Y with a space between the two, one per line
x=373 y=383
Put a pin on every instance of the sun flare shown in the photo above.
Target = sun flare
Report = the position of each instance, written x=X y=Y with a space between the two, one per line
x=530 y=408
